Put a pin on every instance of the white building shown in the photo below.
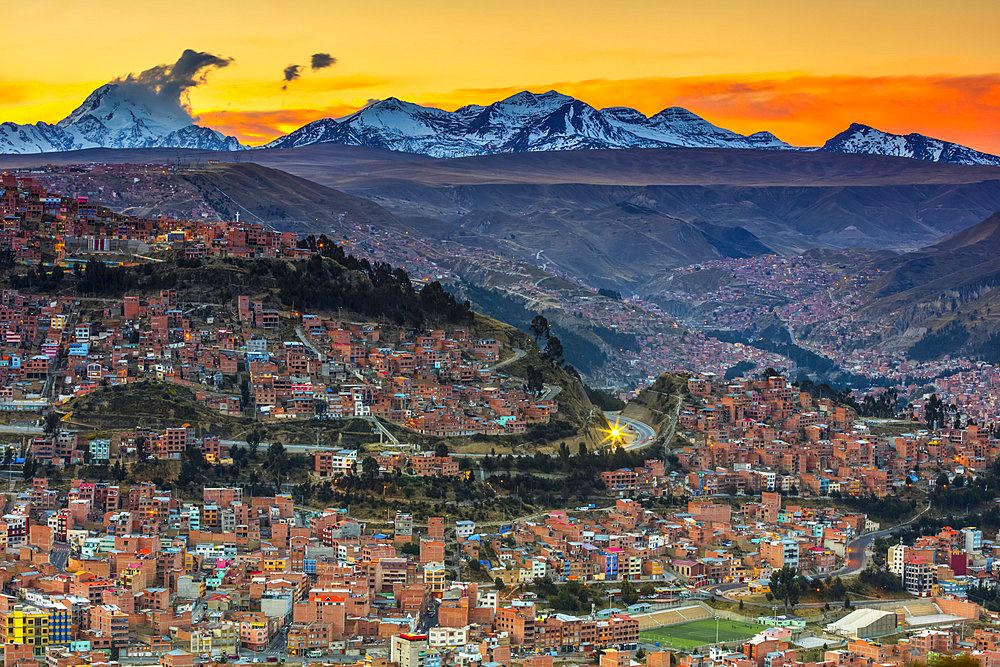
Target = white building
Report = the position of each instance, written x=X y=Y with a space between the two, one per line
x=447 y=637
x=465 y=529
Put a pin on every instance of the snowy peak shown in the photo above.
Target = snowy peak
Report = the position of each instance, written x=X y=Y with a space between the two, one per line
x=324 y=131
x=860 y=138
x=526 y=99
x=116 y=115
x=115 y=110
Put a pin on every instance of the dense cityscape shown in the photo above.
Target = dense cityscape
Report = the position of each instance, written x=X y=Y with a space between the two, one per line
x=479 y=335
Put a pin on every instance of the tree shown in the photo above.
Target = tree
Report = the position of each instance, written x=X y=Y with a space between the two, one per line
x=277 y=462
x=29 y=468
x=786 y=585
x=640 y=654
x=369 y=469
x=629 y=595
x=253 y=441
x=140 y=448
x=51 y=424
x=539 y=327
x=554 y=349
x=535 y=381
x=441 y=449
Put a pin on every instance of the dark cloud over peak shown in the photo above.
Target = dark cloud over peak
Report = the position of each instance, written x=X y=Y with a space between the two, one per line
x=163 y=88
x=171 y=81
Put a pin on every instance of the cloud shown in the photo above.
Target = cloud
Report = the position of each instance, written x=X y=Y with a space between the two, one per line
x=164 y=88
x=322 y=60
x=291 y=73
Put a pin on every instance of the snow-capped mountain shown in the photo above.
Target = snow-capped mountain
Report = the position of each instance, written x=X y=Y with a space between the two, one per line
x=110 y=117
x=123 y=115
x=860 y=138
x=523 y=122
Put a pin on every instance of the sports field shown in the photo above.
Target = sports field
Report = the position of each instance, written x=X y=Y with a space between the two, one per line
x=698 y=633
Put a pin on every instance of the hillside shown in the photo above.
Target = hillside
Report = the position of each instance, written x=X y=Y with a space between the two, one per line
x=943 y=298
x=320 y=284
x=656 y=405
x=282 y=200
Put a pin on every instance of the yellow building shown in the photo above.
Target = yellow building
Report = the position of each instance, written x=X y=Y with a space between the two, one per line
x=26 y=624
x=275 y=564
x=131 y=578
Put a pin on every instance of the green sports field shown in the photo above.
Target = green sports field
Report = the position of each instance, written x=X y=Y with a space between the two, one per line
x=691 y=635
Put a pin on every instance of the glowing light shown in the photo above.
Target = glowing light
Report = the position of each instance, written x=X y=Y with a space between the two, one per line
x=614 y=434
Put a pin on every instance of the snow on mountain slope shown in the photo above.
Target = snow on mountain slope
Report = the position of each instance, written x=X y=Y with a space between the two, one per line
x=323 y=131
x=860 y=138
x=522 y=122
x=111 y=118
x=127 y=113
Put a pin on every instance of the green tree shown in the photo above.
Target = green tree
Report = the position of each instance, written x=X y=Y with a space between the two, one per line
x=629 y=595
x=441 y=449
x=539 y=327
x=140 y=448
x=118 y=472
x=29 y=468
x=554 y=349
x=51 y=423
x=253 y=441
x=369 y=469
x=786 y=585
x=277 y=462
x=534 y=380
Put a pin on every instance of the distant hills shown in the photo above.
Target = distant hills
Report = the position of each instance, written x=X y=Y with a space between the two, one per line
x=114 y=117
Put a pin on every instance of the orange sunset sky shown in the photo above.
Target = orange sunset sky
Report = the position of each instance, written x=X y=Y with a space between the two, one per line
x=801 y=69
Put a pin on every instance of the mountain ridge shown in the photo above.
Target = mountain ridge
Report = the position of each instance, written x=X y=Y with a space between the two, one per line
x=523 y=122
x=859 y=138
x=113 y=117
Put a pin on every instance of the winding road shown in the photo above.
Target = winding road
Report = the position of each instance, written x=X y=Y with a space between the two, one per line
x=857 y=559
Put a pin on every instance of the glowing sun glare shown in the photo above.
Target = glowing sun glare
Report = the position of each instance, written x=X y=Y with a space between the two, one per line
x=614 y=434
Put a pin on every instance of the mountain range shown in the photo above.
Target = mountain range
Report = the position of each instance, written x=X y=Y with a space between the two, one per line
x=111 y=117
x=523 y=122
